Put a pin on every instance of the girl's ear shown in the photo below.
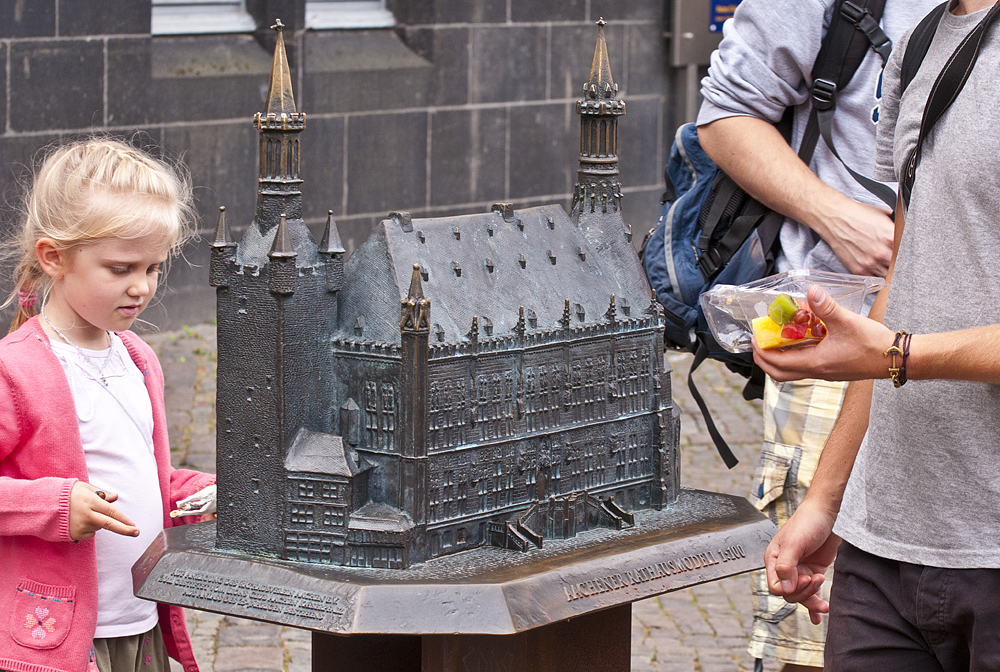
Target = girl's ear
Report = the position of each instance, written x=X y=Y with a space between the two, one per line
x=51 y=257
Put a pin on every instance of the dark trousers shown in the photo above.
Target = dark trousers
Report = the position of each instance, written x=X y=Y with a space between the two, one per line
x=889 y=616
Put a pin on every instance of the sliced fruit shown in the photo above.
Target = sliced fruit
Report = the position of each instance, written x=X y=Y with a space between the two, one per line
x=782 y=309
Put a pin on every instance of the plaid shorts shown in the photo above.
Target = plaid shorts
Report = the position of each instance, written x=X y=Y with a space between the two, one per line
x=798 y=418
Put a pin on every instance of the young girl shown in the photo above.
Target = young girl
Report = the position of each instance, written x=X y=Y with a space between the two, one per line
x=85 y=477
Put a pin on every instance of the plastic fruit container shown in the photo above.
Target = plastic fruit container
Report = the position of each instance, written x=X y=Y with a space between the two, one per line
x=735 y=313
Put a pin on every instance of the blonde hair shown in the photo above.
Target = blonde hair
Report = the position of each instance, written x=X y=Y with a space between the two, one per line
x=90 y=190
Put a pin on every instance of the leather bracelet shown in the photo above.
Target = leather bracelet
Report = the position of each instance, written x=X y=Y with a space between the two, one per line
x=900 y=346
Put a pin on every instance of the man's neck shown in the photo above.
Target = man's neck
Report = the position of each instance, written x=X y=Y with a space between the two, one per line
x=969 y=6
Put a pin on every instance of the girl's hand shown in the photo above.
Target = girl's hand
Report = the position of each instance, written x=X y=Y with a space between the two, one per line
x=88 y=513
x=201 y=503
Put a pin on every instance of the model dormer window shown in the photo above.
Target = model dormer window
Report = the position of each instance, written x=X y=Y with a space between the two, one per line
x=346 y=14
x=188 y=17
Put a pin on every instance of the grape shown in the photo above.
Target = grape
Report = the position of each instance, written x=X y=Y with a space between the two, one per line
x=818 y=330
x=794 y=332
x=802 y=317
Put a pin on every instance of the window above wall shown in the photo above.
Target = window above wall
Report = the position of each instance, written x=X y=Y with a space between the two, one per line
x=191 y=17
x=342 y=14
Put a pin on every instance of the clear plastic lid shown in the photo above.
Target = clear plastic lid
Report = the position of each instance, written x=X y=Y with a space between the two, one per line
x=730 y=309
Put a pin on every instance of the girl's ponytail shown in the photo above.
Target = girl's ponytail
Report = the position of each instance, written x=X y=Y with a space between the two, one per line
x=26 y=291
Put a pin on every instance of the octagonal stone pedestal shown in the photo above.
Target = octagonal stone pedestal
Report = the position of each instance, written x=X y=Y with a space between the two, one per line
x=564 y=607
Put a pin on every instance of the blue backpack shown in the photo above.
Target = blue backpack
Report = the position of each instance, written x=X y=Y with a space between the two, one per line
x=710 y=231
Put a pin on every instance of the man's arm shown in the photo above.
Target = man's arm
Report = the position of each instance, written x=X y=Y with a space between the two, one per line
x=753 y=152
x=798 y=555
x=853 y=350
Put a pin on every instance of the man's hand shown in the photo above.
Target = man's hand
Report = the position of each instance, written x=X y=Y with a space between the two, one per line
x=798 y=556
x=860 y=235
x=852 y=350
x=752 y=152
x=89 y=512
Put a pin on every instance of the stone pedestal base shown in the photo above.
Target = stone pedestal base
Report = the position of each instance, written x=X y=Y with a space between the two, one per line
x=596 y=642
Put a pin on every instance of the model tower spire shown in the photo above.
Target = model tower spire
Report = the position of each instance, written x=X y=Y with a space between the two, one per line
x=279 y=183
x=597 y=186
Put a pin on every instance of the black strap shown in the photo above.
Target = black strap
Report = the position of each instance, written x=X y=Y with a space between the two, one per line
x=853 y=31
x=943 y=93
x=918 y=44
x=700 y=355
x=723 y=189
x=884 y=193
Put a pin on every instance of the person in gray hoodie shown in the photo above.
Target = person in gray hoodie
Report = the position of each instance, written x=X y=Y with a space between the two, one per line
x=763 y=66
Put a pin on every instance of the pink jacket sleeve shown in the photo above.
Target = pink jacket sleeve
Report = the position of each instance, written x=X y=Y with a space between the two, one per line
x=28 y=506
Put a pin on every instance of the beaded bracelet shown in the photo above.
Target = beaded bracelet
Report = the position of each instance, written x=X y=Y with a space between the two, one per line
x=900 y=346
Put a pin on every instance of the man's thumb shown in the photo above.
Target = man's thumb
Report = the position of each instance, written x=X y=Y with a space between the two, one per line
x=821 y=303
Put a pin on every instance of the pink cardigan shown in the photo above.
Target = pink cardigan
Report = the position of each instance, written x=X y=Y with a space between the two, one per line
x=48 y=585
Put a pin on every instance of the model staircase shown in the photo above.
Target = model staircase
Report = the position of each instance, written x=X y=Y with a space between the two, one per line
x=557 y=518
x=617 y=514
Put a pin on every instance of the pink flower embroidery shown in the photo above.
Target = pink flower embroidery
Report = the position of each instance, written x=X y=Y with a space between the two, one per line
x=147 y=660
x=38 y=623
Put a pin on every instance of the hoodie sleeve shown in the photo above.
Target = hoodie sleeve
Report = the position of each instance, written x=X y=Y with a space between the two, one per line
x=764 y=62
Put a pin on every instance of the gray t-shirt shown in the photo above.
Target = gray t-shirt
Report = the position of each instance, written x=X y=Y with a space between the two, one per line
x=764 y=64
x=925 y=487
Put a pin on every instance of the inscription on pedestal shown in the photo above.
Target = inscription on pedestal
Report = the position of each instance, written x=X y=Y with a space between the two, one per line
x=605 y=584
x=215 y=590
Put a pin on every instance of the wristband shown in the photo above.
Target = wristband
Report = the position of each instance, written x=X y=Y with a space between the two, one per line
x=900 y=346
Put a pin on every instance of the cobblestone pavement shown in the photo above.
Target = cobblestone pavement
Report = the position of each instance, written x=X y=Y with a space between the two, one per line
x=700 y=629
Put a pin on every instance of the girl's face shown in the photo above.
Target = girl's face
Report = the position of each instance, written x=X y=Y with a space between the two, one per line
x=103 y=286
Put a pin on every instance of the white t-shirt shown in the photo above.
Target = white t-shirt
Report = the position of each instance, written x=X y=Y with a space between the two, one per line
x=116 y=426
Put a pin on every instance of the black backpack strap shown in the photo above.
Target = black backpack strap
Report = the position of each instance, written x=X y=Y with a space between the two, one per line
x=919 y=43
x=824 y=119
x=854 y=29
x=946 y=88
x=724 y=193
x=700 y=355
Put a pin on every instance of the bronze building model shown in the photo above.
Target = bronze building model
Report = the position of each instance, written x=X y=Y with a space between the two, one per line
x=492 y=378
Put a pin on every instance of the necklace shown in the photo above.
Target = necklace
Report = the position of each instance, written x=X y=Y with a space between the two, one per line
x=99 y=367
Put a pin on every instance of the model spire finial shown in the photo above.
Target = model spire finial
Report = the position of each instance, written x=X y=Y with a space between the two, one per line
x=415 y=310
x=612 y=313
x=330 y=243
x=601 y=85
x=223 y=238
x=279 y=93
x=282 y=248
x=521 y=326
x=416 y=287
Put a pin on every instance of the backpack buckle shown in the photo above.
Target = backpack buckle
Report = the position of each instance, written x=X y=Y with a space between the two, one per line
x=824 y=94
x=852 y=12
x=709 y=262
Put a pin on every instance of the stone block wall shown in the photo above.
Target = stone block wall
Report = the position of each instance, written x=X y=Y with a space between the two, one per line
x=463 y=103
